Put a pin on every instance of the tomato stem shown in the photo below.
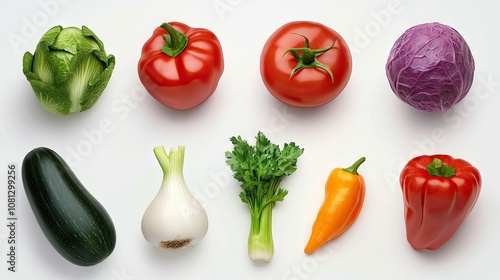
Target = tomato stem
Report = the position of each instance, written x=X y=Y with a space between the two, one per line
x=307 y=57
x=175 y=41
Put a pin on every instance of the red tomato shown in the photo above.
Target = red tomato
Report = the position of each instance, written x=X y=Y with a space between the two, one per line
x=180 y=66
x=311 y=85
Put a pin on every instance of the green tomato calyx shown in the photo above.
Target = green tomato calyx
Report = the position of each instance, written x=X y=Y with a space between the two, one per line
x=307 y=58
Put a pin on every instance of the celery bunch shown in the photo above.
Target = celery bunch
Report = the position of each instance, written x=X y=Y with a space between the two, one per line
x=259 y=169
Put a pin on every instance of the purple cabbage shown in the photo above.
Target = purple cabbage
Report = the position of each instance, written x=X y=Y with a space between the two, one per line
x=430 y=67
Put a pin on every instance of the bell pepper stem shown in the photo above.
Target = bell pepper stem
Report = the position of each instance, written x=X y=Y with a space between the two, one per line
x=438 y=168
x=354 y=168
x=175 y=41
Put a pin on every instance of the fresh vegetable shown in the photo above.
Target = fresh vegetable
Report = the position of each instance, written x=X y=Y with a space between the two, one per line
x=181 y=66
x=439 y=192
x=73 y=221
x=260 y=169
x=305 y=64
x=69 y=69
x=430 y=67
x=174 y=219
x=344 y=197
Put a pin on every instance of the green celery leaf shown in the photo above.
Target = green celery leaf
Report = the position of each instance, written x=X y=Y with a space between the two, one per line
x=260 y=168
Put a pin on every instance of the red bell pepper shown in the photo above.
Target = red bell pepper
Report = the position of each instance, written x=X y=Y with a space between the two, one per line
x=439 y=192
x=181 y=66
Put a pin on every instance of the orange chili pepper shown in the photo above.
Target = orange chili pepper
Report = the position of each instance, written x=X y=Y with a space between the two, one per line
x=344 y=196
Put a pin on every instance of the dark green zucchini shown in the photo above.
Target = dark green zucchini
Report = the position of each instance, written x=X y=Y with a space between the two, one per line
x=73 y=221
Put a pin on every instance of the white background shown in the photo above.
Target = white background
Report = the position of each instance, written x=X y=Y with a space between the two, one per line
x=117 y=165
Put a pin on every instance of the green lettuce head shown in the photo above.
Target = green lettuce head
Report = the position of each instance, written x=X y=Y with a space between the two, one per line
x=69 y=69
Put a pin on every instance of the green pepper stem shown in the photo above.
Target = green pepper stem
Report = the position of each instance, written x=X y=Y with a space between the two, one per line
x=175 y=41
x=354 y=168
x=438 y=168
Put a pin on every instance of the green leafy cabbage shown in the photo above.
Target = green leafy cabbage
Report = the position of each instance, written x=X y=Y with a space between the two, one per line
x=69 y=69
